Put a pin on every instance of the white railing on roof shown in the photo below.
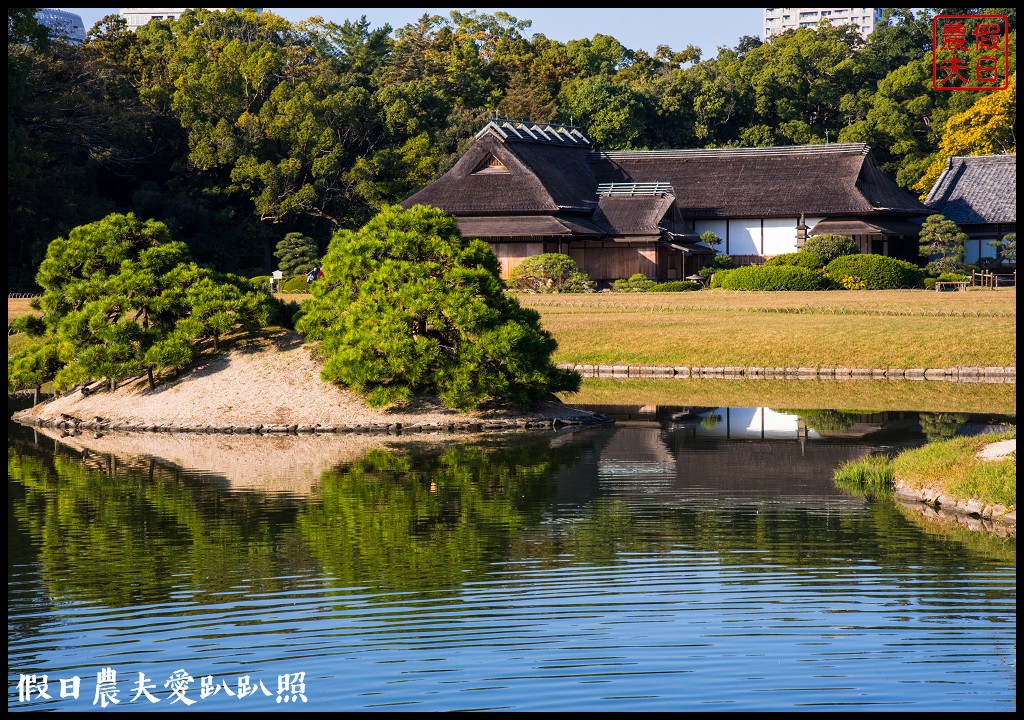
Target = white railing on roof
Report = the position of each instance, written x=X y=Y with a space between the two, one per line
x=631 y=189
x=541 y=132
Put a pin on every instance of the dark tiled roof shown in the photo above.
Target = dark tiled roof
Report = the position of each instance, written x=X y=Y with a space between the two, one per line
x=856 y=226
x=764 y=182
x=975 y=190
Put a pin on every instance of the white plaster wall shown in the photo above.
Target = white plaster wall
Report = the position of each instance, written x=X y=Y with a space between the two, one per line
x=780 y=235
x=715 y=226
x=745 y=236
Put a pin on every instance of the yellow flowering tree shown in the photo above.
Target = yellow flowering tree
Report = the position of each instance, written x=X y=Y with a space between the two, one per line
x=989 y=127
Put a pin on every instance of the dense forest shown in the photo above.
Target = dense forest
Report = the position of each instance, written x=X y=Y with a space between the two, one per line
x=235 y=129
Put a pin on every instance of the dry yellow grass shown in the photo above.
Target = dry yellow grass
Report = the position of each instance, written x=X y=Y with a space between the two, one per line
x=852 y=395
x=898 y=328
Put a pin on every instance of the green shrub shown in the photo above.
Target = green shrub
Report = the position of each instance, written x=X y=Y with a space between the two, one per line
x=805 y=259
x=636 y=283
x=718 y=262
x=677 y=286
x=951 y=277
x=929 y=283
x=876 y=271
x=829 y=246
x=296 y=284
x=719 y=276
x=283 y=313
x=550 y=273
x=780 y=277
x=260 y=282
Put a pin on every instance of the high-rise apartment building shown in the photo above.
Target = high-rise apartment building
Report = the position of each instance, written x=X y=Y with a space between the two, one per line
x=137 y=17
x=779 y=20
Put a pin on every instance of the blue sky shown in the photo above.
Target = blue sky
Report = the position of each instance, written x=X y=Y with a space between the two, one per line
x=636 y=28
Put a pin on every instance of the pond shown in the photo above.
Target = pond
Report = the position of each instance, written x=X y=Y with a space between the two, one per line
x=681 y=559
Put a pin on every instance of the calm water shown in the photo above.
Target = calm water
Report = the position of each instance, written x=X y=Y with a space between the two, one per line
x=682 y=559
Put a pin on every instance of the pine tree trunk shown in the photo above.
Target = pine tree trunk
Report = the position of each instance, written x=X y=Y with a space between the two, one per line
x=149 y=375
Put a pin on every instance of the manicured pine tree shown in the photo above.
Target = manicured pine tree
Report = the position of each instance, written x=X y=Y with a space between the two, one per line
x=296 y=254
x=408 y=306
x=121 y=298
x=942 y=243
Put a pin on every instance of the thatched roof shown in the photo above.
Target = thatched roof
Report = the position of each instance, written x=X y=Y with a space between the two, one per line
x=513 y=175
x=526 y=226
x=765 y=182
x=639 y=215
x=977 y=190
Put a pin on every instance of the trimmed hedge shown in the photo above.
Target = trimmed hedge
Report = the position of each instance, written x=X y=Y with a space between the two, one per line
x=811 y=260
x=876 y=272
x=718 y=276
x=636 y=283
x=296 y=284
x=778 y=277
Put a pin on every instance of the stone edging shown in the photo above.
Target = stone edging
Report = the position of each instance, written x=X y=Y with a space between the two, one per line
x=969 y=508
x=73 y=425
x=956 y=374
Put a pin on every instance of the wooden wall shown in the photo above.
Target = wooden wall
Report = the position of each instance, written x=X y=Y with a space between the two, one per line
x=612 y=261
x=511 y=254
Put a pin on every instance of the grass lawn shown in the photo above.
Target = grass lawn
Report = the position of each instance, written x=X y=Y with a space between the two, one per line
x=867 y=396
x=880 y=328
x=952 y=467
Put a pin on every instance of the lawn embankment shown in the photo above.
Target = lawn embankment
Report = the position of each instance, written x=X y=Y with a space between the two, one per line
x=867 y=396
x=880 y=328
x=956 y=468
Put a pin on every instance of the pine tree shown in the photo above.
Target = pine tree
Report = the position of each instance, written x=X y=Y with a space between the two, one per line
x=408 y=306
x=942 y=242
x=296 y=254
x=121 y=298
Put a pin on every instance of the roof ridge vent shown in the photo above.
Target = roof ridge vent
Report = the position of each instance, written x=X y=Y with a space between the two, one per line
x=634 y=189
x=544 y=132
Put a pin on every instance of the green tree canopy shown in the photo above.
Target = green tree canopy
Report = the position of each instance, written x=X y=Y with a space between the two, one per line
x=119 y=298
x=407 y=305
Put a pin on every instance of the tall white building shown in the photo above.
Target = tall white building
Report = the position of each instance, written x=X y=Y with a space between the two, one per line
x=137 y=17
x=63 y=25
x=779 y=20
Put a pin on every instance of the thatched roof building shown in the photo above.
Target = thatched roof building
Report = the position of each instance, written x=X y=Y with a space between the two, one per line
x=529 y=188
